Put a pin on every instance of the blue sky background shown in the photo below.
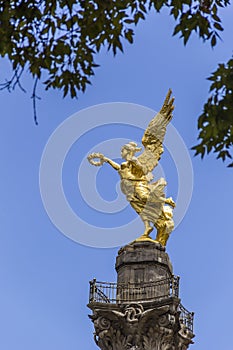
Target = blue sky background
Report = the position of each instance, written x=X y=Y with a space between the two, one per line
x=44 y=276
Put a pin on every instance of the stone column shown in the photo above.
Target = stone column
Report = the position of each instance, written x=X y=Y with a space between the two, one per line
x=145 y=313
x=146 y=268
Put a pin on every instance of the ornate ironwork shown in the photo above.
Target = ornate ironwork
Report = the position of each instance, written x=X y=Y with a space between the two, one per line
x=186 y=317
x=114 y=293
x=105 y=292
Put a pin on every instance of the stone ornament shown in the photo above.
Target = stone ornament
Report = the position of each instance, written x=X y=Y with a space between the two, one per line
x=134 y=328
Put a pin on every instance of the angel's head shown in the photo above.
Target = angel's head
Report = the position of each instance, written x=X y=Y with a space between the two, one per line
x=129 y=149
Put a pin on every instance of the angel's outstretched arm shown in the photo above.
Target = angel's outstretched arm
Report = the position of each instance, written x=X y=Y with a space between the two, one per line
x=115 y=165
x=102 y=159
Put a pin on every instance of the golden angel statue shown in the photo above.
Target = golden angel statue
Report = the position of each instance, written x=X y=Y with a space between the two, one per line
x=147 y=198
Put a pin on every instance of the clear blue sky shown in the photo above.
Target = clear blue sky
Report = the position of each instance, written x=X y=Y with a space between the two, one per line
x=44 y=276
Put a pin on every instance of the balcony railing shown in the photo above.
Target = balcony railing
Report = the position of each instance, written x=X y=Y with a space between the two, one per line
x=186 y=317
x=104 y=292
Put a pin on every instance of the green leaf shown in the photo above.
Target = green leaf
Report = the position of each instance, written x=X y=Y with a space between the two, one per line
x=213 y=40
x=218 y=26
x=177 y=29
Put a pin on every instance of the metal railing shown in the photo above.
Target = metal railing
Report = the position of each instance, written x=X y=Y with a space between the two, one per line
x=186 y=317
x=105 y=292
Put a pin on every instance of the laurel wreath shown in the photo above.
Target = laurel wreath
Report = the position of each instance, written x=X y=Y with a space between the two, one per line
x=93 y=156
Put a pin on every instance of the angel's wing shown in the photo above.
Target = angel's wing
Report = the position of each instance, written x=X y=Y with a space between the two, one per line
x=154 y=135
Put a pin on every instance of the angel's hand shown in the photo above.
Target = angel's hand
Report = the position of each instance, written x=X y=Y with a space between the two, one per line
x=105 y=159
x=171 y=202
x=113 y=164
x=168 y=106
x=149 y=177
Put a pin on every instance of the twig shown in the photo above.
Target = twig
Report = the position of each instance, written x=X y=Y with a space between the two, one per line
x=34 y=97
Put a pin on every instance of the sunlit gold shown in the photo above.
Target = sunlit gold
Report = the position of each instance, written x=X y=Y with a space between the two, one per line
x=147 y=198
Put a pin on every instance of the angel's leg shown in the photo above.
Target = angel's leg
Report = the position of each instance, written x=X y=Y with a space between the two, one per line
x=162 y=235
x=148 y=229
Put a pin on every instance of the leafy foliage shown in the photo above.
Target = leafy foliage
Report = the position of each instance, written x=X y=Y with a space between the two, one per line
x=216 y=121
x=57 y=40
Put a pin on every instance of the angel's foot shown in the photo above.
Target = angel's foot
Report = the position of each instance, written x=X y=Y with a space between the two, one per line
x=147 y=232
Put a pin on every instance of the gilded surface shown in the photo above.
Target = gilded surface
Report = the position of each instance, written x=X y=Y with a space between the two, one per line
x=147 y=198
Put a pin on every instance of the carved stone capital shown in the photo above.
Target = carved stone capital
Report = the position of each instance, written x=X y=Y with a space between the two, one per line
x=132 y=327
